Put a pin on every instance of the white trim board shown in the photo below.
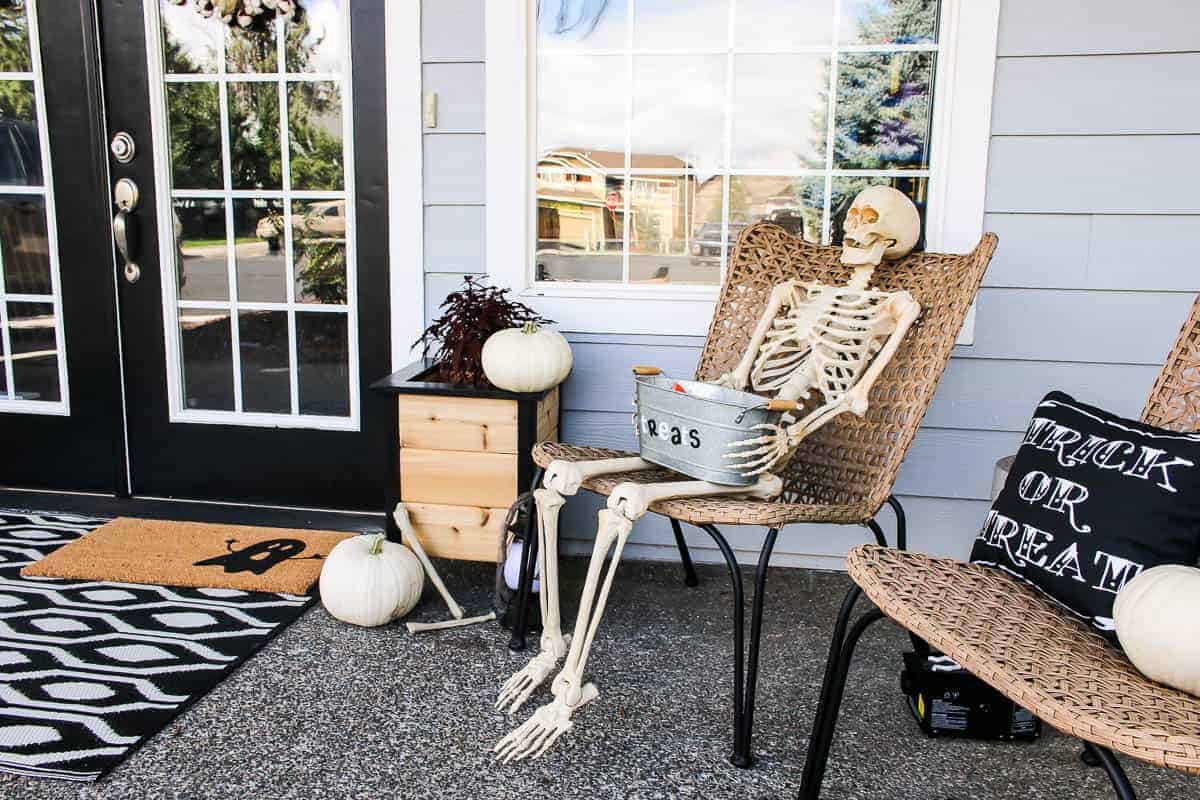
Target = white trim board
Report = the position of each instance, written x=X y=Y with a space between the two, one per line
x=961 y=136
x=406 y=212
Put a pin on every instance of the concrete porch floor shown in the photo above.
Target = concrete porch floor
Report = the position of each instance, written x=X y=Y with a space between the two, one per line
x=331 y=711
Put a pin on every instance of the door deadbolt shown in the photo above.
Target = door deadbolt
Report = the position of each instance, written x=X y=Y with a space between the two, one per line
x=122 y=147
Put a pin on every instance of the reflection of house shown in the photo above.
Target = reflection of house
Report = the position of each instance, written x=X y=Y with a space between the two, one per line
x=581 y=202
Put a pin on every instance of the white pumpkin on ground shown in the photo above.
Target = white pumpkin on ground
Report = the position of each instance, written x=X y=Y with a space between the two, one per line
x=526 y=359
x=370 y=581
x=1157 y=616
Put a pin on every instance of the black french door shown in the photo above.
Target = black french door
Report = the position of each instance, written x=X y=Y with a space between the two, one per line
x=241 y=175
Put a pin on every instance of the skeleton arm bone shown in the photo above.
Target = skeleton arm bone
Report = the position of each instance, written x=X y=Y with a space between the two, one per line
x=781 y=295
x=903 y=311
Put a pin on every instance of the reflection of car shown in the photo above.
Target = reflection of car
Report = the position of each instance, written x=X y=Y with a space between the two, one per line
x=789 y=219
x=707 y=241
x=323 y=219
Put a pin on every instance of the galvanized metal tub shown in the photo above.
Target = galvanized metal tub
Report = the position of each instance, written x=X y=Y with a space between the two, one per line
x=690 y=431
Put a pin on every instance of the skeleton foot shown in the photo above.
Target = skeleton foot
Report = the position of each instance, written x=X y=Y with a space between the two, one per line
x=539 y=732
x=521 y=685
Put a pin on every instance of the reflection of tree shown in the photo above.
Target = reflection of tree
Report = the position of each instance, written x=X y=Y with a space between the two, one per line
x=321 y=269
x=316 y=152
x=14 y=37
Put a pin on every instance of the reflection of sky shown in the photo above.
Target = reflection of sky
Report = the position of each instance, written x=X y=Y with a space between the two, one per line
x=775 y=97
x=198 y=37
x=586 y=23
x=670 y=23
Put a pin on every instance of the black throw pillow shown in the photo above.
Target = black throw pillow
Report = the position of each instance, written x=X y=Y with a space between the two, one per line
x=1092 y=500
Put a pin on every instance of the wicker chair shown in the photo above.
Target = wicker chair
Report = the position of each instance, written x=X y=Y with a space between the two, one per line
x=1016 y=640
x=844 y=472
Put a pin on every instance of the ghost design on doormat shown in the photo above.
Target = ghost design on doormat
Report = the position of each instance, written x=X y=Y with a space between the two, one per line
x=258 y=557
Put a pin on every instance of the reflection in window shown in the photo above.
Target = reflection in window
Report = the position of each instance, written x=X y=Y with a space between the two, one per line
x=664 y=133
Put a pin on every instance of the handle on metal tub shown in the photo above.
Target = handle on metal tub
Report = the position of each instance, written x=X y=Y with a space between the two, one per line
x=647 y=371
x=770 y=405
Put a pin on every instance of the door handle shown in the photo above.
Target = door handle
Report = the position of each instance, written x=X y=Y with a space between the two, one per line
x=125 y=227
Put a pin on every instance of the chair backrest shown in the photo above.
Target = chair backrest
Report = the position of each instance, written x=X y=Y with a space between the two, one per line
x=852 y=461
x=1175 y=399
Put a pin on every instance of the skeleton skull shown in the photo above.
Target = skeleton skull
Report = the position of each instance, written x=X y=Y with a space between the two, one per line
x=881 y=223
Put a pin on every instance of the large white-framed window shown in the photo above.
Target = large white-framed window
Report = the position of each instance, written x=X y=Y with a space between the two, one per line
x=254 y=166
x=628 y=142
x=33 y=377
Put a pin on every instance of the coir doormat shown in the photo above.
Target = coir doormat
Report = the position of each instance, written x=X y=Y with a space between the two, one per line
x=196 y=554
x=91 y=670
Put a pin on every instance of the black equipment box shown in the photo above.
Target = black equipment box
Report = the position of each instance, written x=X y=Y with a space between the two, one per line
x=956 y=703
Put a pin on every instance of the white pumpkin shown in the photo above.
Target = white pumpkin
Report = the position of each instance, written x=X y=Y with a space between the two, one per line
x=528 y=359
x=370 y=581
x=1157 y=616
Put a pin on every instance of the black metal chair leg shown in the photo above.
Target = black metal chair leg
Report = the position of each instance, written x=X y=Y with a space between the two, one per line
x=689 y=569
x=831 y=699
x=901 y=522
x=745 y=664
x=1116 y=774
x=876 y=529
x=517 y=642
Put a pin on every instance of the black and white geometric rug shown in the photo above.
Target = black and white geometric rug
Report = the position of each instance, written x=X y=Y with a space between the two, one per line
x=89 y=671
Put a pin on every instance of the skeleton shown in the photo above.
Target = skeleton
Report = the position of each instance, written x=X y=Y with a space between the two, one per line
x=820 y=346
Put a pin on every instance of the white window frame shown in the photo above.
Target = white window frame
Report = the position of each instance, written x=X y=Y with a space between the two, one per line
x=166 y=195
x=961 y=130
x=9 y=403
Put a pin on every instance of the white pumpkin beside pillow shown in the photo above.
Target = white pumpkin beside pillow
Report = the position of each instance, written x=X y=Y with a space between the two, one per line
x=1157 y=616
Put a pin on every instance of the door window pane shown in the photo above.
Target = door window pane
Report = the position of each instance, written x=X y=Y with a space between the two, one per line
x=316 y=41
x=254 y=136
x=190 y=42
x=319 y=251
x=194 y=111
x=20 y=148
x=14 y=37
x=32 y=335
x=323 y=356
x=201 y=252
x=258 y=251
x=716 y=115
x=315 y=134
x=266 y=379
x=252 y=50
x=206 y=358
x=24 y=245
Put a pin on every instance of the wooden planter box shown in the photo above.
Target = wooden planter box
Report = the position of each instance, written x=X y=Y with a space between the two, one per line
x=464 y=455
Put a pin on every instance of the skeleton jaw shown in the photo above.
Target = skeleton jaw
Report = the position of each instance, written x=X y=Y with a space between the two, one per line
x=869 y=250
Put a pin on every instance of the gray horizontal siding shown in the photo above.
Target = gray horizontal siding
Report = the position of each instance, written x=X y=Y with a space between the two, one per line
x=1078 y=27
x=1096 y=125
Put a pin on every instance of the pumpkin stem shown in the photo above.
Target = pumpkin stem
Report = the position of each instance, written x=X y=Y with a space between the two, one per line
x=377 y=545
x=531 y=327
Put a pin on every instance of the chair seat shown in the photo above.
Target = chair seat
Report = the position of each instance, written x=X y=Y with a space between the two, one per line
x=1034 y=652
x=702 y=511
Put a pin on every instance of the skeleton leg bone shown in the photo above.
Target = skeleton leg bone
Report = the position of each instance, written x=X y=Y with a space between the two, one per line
x=562 y=478
x=627 y=503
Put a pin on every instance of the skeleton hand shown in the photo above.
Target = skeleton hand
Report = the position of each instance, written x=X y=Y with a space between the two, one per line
x=521 y=685
x=756 y=456
x=537 y=733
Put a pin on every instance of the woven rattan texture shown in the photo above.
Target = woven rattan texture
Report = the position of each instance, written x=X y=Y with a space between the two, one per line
x=1024 y=645
x=844 y=472
x=1175 y=400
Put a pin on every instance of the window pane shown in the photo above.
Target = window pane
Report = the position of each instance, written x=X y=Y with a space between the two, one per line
x=795 y=204
x=582 y=24
x=21 y=156
x=266 y=383
x=780 y=111
x=251 y=49
x=189 y=41
x=845 y=190
x=319 y=250
x=889 y=21
x=884 y=110
x=580 y=221
x=31 y=330
x=664 y=222
x=678 y=112
x=672 y=24
x=784 y=23
x=206 y=359
x=322 y=353
x=24 y=246
x=581 y=106
x=315 y=128
x=258 y=250
x=254 y=136
x=316 y=41
x=14 y=38
x=194 y=112
x=201 y=256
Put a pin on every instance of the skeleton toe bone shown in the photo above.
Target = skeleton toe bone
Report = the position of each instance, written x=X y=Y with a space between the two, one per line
x=539 y=732
x=521 y=686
